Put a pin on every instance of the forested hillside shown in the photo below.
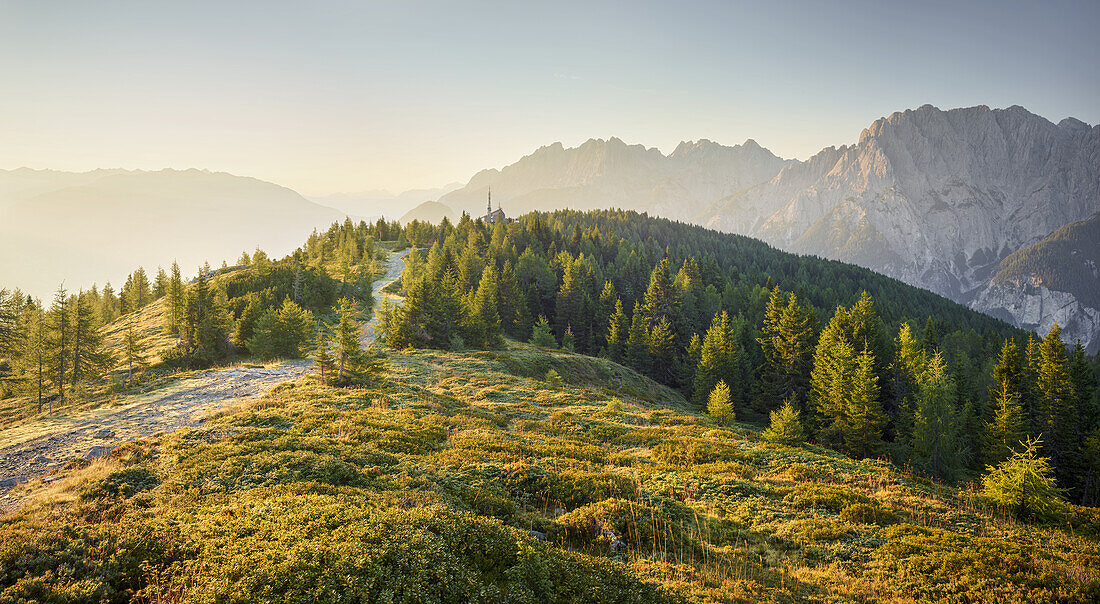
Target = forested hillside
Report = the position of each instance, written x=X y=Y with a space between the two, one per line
x=875 y=366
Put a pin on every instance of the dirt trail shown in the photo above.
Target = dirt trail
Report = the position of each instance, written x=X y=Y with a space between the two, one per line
x=40 y=447
x=395 y=264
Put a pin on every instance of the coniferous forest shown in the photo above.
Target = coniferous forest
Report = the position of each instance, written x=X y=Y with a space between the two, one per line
x=569 y=406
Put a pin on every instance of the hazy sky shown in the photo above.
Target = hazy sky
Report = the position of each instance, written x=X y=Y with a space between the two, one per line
x=333 y=96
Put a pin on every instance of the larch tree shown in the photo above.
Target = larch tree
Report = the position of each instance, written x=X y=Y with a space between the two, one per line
x=133 y=351
x=60 y=342
x=787 y=343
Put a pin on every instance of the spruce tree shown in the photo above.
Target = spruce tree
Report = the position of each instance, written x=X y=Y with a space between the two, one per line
x=541 y=335
x=661 y=348
x=935 y=431
x=618 y=330
x=865 y=418
x=1054 y=404
x=717 y=357
x=175 y=302
x=637 y=340
x=486 y=310
x=88 y=357
x=295 y=329
x=831 y=387
x=568 y=341
x=346 y=345
x=661 y=296
x=322 y=355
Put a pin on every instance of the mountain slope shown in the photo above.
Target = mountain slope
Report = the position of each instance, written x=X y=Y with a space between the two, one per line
x=1054 y=281
x=934 y=198
x=609 y=173
x=429 y=211
x=109 y=222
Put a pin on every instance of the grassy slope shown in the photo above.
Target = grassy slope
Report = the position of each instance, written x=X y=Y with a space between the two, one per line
x=424 y=488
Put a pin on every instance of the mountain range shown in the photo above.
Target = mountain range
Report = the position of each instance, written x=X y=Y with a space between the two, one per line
x=935 y=198
x=994 y=208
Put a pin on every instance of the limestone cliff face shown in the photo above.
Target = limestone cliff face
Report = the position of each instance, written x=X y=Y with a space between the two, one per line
x=610 y=173
x=1033 y=306
x=934 y=198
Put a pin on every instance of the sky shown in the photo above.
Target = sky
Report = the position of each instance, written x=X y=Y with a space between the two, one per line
x=328 y=97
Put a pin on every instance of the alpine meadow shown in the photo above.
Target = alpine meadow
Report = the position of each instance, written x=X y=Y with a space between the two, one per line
x=858 y=364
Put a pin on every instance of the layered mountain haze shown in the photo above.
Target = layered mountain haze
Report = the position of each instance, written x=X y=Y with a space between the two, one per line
x=98 y=226
x=934 y=198
x=381 y=203
x=609 y=173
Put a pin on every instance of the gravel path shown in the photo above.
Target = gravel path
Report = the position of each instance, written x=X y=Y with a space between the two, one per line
x=42 y=446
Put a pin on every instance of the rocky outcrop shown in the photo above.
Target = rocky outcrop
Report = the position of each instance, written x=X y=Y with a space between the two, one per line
x=1037 y=308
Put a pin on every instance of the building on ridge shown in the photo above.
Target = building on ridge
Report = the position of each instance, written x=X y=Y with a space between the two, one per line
x=493 y=216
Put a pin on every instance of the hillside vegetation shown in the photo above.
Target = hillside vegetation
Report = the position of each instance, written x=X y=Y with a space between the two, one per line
x=461 y=477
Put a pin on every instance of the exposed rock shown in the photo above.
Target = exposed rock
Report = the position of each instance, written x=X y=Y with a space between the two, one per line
x=537 y=535
x=1038 y=309
x=97 y=451
x=105 y=433
x=934 y=198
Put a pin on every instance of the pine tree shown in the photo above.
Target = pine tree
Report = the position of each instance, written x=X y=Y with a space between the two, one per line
x=541 y=335
x=786 y=426
x=60 y=342
x=718 y=404
x=865 y=418
x=11 y=332
x=935 y=431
